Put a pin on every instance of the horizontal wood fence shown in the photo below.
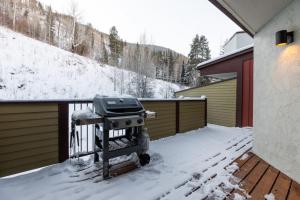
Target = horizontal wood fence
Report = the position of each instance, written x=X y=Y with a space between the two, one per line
x=34 y=134
x=175 y=116
x=28 y=136
x=221 y=101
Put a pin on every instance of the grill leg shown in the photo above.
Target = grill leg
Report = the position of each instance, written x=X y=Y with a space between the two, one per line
x=96 y=157
x=105 y=152
x=95 y=141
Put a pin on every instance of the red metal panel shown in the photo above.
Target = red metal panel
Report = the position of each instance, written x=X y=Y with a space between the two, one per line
x=251 y=94
x=246 y=89
x=247 y=108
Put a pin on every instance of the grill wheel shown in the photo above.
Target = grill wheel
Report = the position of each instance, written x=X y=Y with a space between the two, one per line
x=144 y=159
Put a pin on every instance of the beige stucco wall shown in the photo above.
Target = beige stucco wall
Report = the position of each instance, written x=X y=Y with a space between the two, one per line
x=277 y=94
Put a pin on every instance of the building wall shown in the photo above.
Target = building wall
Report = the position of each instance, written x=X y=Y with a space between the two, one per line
x=221 y=101
x=244 y=39
x=231 y=45
x=277 y=94
x=229 y=65
x=239 y=40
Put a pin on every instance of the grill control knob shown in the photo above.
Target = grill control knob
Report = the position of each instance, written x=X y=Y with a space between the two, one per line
x=128 y=122
x=115 y=124
x=139 y=121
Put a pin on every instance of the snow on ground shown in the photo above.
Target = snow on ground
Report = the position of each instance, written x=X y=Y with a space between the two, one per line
x=30 y=69
x=181 y=167
x=269 y=196
x=238 y=197
x=245 y=156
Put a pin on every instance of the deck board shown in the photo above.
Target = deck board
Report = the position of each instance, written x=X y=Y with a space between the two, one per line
x=251 y=179
x=294 y=191
x=281 y=186
x=247 y=167
x=265 y=184
x=256 y=178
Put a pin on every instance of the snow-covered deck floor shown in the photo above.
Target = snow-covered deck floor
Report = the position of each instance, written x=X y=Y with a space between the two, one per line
x=182 y=167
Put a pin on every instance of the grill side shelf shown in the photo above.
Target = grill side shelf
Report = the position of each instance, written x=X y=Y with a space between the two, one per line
x=87 y=121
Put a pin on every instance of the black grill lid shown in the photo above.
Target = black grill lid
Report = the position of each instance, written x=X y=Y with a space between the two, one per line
x=108 y=106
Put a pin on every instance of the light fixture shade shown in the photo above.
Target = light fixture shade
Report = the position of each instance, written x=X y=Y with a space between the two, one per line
x=283 y=37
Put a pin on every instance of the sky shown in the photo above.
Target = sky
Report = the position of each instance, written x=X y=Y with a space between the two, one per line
x=168 y=23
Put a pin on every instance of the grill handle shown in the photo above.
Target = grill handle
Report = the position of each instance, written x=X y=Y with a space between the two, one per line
x=126 y=113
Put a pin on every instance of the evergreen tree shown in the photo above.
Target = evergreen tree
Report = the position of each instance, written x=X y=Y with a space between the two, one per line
x=183 y=74
x=200 y=52
x=170 y=63
x=115 y=45
x=193 y=55
x=137 y=58
x=204 y=49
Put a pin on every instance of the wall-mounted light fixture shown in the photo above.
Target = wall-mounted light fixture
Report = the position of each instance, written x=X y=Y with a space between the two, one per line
x=283 y=37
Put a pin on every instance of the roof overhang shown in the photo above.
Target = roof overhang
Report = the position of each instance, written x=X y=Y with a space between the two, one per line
x=239 y=52
x=251 y=15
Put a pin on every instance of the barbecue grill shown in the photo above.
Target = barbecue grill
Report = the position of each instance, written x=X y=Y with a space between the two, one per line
x=119 y=125
x=126 y=118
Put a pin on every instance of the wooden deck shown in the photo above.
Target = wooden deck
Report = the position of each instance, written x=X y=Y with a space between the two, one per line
x=257 y=178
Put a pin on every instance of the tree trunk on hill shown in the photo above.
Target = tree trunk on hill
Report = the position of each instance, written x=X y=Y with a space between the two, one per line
x=58 y=31
x=143 y=67
x=14 y=14
x=75 y=14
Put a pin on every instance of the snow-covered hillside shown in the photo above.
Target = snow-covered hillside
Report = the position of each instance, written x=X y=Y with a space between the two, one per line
x=30 y=69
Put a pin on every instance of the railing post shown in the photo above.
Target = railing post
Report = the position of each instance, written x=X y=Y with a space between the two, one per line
x=63 y=131
x=205 y=115
x=177 y=116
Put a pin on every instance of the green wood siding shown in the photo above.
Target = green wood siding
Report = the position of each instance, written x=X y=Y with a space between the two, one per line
x=28 y=136
x=221 y=101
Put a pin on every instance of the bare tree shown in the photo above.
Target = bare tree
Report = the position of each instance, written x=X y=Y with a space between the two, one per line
x=14 y=14
x=50 y=29
x=35 y=29
x=144 y=69
x=3 y=12
x=58 y=30
x=76 y=15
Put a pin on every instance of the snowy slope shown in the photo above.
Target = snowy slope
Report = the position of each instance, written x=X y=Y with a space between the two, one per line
x=179 y=164
x=30 y=69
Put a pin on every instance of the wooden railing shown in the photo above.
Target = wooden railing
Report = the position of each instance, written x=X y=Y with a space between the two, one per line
x=36 y=133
